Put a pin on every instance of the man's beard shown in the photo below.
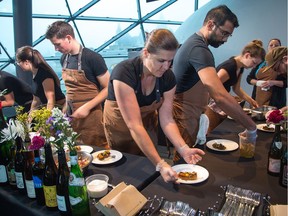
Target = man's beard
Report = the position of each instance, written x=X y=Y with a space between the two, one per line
x=213 y=41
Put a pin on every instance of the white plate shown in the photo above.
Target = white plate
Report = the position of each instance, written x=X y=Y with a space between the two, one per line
x=202 y=173
x=86 y=148
x=229 y=144
x=117 y=156
x=247 y=110
x=262 y=127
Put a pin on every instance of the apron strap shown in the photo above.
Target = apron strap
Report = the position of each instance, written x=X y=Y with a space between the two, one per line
x=79 y=59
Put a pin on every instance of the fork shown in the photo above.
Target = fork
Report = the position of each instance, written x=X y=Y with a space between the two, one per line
x=256 y=198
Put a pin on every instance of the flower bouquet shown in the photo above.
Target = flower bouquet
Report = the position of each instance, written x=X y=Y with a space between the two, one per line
x=63 y=131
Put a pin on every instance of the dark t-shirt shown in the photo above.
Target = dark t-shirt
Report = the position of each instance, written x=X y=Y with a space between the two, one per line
x=38 y=89
x=279 y=97
x=191 y=57
x=230 y=66
x=92 y=63
x=21 y=90
x=129 y=71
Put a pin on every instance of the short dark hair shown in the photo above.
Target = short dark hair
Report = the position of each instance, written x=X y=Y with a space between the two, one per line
x=60 y=29
x=220 y=15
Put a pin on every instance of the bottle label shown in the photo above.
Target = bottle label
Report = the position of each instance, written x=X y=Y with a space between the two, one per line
x=50 y=195
x=278 y=145
x=284 y=175
x=61 y=203
x=74 y=200
x=30 y=189
x=274 y=165
x=19 y=180
x=74 y=181
x=73 y=160
x=11 y=176
x=3 y=174
x=38 y=183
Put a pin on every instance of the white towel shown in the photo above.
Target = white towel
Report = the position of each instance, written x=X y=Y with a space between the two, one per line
x=203 y=127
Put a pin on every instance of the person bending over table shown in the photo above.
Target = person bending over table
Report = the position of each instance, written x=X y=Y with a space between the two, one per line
x=139 y=90
x=196 y=76
x=230 y=73
x=46 y=84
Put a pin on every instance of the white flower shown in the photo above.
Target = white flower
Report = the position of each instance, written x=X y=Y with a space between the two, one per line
x=14 y=129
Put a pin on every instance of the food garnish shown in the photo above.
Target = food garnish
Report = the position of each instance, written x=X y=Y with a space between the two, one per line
x=103 y=155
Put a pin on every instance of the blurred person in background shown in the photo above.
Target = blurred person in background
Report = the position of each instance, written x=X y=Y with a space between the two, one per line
x=46 y=84
x=18 y=92
x=272 y=91
x=86 y=80
x=251 y=77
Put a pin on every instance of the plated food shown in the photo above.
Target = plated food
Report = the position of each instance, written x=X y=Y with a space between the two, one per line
x=222 y=145
x=187 y=175
x=106 y=157
x=103 y=155
x=190 y=173
x=219 y=146
x=266 y=128
x=84 y=148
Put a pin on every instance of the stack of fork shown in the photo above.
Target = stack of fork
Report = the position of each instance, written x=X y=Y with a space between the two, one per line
x=240 y=202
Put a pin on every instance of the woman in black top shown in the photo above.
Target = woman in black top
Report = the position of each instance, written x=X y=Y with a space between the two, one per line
x=230 y=73
x=46 y=84
x=140 y=90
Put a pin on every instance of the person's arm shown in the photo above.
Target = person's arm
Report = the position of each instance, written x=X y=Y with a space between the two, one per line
x=171 y=130
x=223 y=99
x=85 y=109
x=270 y=83
x=242 y=94
x=49 y=90
x=35 y=103
x=9 y=100
x=251 y=78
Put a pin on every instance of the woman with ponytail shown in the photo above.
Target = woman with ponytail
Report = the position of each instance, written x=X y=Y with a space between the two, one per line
x=46 y=84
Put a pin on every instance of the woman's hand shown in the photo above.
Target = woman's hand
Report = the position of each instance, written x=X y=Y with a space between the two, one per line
x=166 y=171
x=191 y=155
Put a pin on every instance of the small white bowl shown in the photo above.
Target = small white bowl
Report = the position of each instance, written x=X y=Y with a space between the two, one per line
x=97 y=185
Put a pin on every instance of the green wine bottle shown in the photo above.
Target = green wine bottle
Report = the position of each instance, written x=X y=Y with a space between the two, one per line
x=77 y=188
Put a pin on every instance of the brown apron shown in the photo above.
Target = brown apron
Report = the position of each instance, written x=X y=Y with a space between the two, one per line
x=79 y=91
x=263 y=97
x=117 y=133
x=187 y=108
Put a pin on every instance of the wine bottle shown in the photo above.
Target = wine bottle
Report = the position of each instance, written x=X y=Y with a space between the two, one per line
x=283 y=169
x=275 y=153
x=4 y=153
x=19 y=166
x=50 y=179
x=4 y=161
x=11 y=167
x=29 y=160
x=77 y=188
x=63 y=184
x=37 y=175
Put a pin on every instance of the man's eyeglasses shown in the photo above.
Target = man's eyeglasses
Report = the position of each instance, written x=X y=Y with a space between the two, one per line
x=223 y=32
